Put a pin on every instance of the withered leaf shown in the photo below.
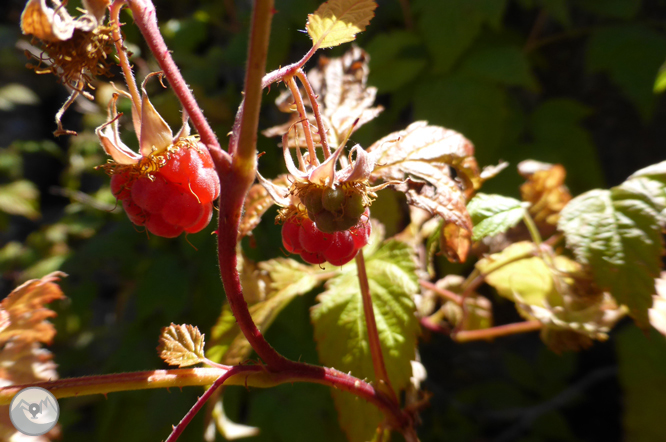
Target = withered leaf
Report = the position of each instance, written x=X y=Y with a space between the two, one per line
x=26 y=312
x=344 y=98
x=427 y=152
x=257 y=202
x=181 y=345
x=22 y=330
x=338 y=21
x=545 y=191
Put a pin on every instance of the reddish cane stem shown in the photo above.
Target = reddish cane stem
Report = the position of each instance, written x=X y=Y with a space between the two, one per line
x=496 y=332
x=304 y=119
x=373 y=336
x=315 y=110
x=145 y=18
x=443 y=292
x=178 y=429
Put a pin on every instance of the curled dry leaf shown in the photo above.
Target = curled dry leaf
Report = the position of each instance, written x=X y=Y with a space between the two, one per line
x=340 y=84
x=181 y=345
x=258 y=201
x=426 y=152
x=338 y=21
x=23 y=328
x=545 y=191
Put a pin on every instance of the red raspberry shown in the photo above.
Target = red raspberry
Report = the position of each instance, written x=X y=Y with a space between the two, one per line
x=342 y=249
x=121 y=185
x=158 y=226
x=176 y=198
x=134 y=212
x=290 y=236
x=203 y=221
x=313 y=258
x=312 y=239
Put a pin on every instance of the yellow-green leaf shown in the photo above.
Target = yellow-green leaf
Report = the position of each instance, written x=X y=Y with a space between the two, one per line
x=338 y=21
x=181 y=345
x=20 y=198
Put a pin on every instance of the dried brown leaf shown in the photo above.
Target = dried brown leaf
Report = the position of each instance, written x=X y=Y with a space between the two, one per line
x=344 y=97
x=258 y=201
x=22 y=330
x=545 y=191
x=427 y=152
x=181 y=345
x=26 y=312
x=338 y=21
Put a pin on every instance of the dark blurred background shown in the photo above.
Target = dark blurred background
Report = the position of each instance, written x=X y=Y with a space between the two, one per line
x=573 y=82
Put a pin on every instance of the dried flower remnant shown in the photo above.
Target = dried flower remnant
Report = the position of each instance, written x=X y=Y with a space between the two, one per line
x=73 y=49
x=170 y=186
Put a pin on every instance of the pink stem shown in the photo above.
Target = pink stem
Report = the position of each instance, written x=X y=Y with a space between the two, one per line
x=315 y=110
x=145 y=18
x=178 y=429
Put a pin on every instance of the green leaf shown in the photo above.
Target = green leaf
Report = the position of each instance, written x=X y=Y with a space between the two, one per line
x=181 y=345
x=493 y=214
x=338 y=21
x=613 y=50
x=642 y=362
x=457 y=103
x=660 y=81
x=619 y=237
x=611 y=8
x=340 y=330
x=559 y=138
x=20 y=198
x=16 y=94
x=393 y=61
x=288 y=279
x=450 y=27
x=504 y=65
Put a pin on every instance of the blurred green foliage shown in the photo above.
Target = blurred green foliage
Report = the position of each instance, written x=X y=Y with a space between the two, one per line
x=575 y=82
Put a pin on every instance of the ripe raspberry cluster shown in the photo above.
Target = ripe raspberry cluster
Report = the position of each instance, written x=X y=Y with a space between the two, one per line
x=177 y=198
x=333 y=209
x=301 y=236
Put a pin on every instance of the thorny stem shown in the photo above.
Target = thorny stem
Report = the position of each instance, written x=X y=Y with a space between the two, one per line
x=178 y=429
x=373 y=336
x=496 y=332
x=245 y=375
x=304 y=119
x=237 y=178
x=145 y=18
x=315 y=110
x=125 y=65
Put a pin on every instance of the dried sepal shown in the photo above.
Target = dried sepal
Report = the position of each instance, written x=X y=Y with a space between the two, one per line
x=156 y=135
x=181 y=345
x=338 y=21
x=345 y=99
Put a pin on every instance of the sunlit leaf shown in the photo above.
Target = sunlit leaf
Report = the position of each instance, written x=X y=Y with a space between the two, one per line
x=286 y=279
x=619 y=236
x=20 y=198
x=493 y=214
x=181 y=345
x=340 y=330
x=426 y=152
x=338 y=21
